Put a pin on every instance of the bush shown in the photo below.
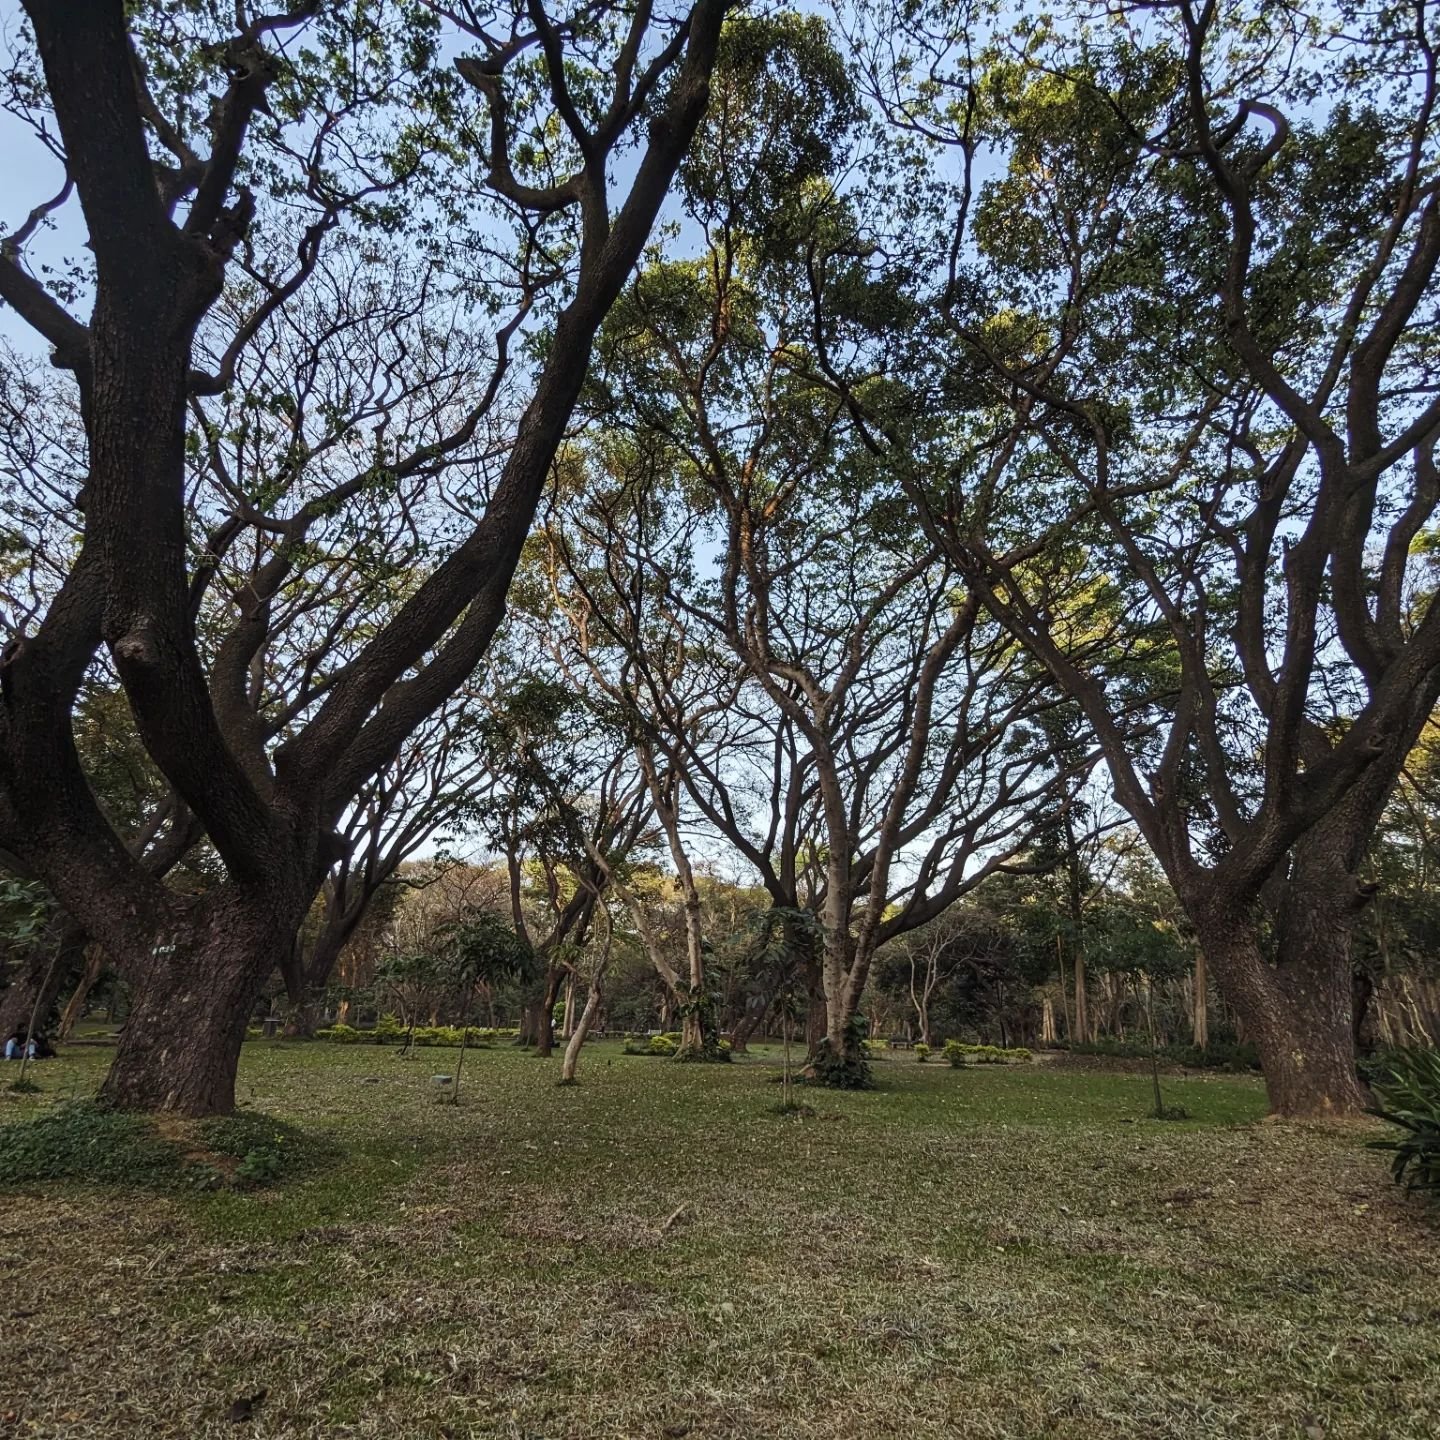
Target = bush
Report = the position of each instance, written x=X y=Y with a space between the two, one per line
x=427 y=1035
x=922 y=1052
x=341 y=1034
x=1408 y=1096
x=984 y=1054
x=387 y=1028
x=665 y=1045
x=847 y=1069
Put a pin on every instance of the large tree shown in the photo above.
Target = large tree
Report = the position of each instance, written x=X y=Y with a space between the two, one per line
x=1184 y=355
x=200 y=144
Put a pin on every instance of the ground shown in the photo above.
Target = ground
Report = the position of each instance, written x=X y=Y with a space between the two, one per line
x=962 y=1253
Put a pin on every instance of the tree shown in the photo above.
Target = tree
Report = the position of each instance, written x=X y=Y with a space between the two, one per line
x=894 y=732
x=186 y=136
x=1185 y=339
x=480 y=949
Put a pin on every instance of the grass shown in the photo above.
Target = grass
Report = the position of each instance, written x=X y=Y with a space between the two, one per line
x=987 y=1252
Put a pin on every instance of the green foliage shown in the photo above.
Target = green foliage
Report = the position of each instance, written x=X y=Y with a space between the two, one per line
x=662 y=1045
x=484 y=947
x=86 y=1142
x=922 y=1052
x=845 y=1069
x=90 y=1143
x=25 y=909
x=985 y=1054
x=341 y=1034
x=389 y=1029
x=1215 y=1056
x=1408 y=1096
x=955 y=1054
x=781 y=104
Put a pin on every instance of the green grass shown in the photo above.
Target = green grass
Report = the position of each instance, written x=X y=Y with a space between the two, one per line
x=987 y=1252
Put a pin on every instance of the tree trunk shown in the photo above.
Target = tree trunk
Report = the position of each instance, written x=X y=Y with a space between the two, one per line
x=545 y=1013
x=190 y=1002
x=75 y=1006
x=1297 y=1011
x=839 y=1060
x=1200 y=1010
x=567 y=1028
x=51 y=966
x=1082 y=1008
x=1047 y=1021
x=748 y=1023
x=582 y=1029
x=303 y=1019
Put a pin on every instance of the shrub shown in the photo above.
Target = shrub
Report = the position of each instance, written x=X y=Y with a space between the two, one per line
x=668 y=1044
x=847 y=1069
x=922 y=1052
x=387 y=1028
x=984 y=1054
x=341 y=1034
x=717 y=1052
x=1408 y=1096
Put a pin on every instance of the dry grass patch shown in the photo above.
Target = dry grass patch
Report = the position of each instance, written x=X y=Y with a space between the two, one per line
x=974 y=1253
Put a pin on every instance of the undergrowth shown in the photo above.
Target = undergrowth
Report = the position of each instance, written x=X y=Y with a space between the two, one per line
x=89 y=1143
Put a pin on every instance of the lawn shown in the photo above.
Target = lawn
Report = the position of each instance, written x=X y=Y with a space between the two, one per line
x=978 y=1253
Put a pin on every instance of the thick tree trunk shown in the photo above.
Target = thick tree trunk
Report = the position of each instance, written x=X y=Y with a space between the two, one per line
x=190 y=1003
x=839 y=1060
x=303 y=1020
x=748 y=1023
x=1048 y=1033
x=1297 y=1011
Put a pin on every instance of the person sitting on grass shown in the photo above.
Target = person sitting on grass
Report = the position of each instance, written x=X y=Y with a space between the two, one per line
x=15 y=1046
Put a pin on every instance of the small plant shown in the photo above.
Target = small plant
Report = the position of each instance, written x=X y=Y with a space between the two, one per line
x=955 y=1053
x=662 y=1045
x=23 y=1086
x=259 y=1167
x=1408 y=1096
x=1169 y=1112
x=922 y=1052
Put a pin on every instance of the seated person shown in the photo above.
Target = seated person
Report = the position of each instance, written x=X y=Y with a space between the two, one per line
x=15 y=1046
